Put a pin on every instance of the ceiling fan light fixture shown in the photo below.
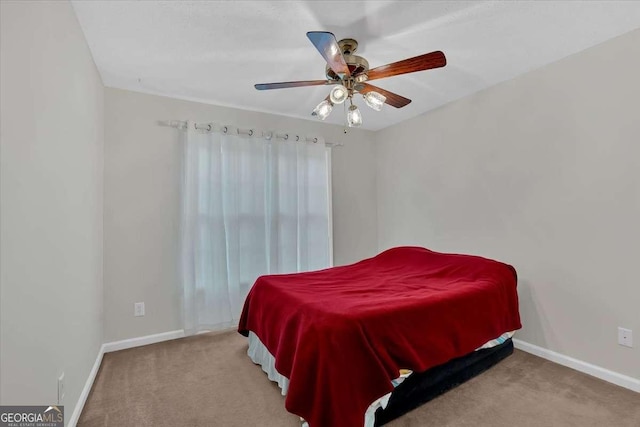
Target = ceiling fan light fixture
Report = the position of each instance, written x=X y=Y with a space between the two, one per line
x=339 y=94
x=349 y=74
x=375 y=100
x=323 y=110
x=354 y=116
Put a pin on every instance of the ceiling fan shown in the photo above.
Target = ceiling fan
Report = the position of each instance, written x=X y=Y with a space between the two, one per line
x=350 y=73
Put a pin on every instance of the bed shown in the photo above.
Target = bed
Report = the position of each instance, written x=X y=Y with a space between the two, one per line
x=340 y=338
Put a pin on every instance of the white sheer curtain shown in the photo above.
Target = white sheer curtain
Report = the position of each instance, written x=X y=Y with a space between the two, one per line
x=250 y=207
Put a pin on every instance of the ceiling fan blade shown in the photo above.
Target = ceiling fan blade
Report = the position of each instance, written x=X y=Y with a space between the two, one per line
x=282 y=85
x=411 y=65
x=327 y=45
x=393 y=99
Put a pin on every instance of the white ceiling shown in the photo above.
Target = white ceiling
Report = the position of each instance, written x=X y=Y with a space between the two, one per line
x=215 y=51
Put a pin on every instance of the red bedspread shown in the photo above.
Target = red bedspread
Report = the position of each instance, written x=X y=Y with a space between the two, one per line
x=342 y=334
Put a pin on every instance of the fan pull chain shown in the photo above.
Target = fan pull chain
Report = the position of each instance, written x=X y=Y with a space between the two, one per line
x=346 y=125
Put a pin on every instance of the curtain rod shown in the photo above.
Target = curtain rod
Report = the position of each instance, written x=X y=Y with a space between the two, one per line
x=207 y=127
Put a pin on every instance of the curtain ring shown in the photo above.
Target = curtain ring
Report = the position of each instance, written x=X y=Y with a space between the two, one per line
x=209 y=127
x=224 y=129
x=286 y=136
x=250 y=132
x=297 y=138
x=315 y=140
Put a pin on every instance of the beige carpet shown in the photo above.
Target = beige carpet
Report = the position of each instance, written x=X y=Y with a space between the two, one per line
x=208 y=380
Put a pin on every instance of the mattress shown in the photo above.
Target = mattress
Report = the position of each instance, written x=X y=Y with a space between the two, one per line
x=260 y=355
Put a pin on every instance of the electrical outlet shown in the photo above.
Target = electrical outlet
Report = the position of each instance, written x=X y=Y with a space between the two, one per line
x=625 y=337
x=138 y=309
x=61 y=389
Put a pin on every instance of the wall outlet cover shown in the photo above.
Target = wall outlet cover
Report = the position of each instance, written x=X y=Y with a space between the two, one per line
x=625 y=337
x=61 y=389
x=138 y=309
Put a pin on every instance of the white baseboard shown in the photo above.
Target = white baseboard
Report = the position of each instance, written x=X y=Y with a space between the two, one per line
x=587 y=368
x=140 y=341
x=115 y=346
x=75 y=416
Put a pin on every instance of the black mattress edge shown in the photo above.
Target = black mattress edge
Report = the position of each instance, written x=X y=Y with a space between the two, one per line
x=421 y=387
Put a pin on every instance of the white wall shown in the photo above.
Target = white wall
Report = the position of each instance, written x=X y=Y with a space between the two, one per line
x=51 y=204
x=541 y=172
x=142 y=180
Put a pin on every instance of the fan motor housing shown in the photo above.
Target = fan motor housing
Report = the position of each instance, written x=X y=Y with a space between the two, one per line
x=358 y=66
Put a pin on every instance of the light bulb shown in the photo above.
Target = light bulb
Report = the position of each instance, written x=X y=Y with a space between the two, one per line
x=339 y=94
x=322 y=110
x=374 y=100
x=354 y=117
